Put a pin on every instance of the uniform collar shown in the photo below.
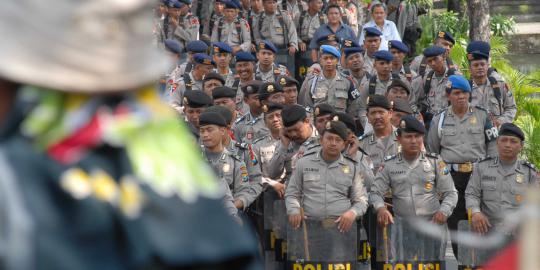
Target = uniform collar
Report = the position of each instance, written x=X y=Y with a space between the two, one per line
x=335 y=163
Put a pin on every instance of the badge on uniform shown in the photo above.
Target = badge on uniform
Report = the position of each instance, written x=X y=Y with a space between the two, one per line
x=443 y=168
x=473 y=120
x=519 y=178
x=519 y=198
x=282 y=81
x=345 y=169
x=249 y=135
x=104 y=186
x=270 y=89
x=243 y=171
x=131 y=198
x=77 y=183
x=427 y=166
x=428 y=186
x=226 y=168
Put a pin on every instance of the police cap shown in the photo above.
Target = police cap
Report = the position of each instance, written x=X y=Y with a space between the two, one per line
x=409 y=123
x=175 y=4
x=272 y=107
x=267 y=45
x=251 y=87
x=212 y=118
x=266 y=89
x=399 y=83
x=291 y=114
x=327 y=39
x=242 y=56
x=349 y=43
x=379 y=101
x=173 y=46
x=287 y=81
x=213 y=76
x=223 y=92
x=458 y=82
x=433 y=51
x=352 y=50
x=372 y=32
x=446 y=36
x=347 y=119
x=196 y=46
x=327 y=49
x=509 y=129
x=221 y=47
x=203 y=59
x=477 y=50
x=197 y=99
x=230 y=4
x=223 y=111
x=338 y=128
x=323 y=109
x=383 y=55
x=398 y=45
x=401 y=105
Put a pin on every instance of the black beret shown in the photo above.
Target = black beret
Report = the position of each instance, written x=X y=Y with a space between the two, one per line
x=268 y=88
x=409 y=123
x=197 y=99
x=399 y=83
x=291 y=114
x=223 y=92
x=347 y=119
x=338 y=128
x=323 y=109
x=477 y=50
x=287 y=81
x=212 y=118
x=509 y=129
x=214 y=76
x=378 y=101
x=446 y=36
x=251 y=87
x=401 y=105
x=272 y=107
x=223 y=111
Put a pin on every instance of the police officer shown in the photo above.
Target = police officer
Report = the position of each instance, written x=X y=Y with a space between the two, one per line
x=400 y=109
x=245 y=69
x=419 y=183
x=231 y=29
x=297 y=135
x=405 y=15
x=371 y=43
x=266 y=68
x=354 y=63
x=445 y=40
x=195 y=102
x=192 y=48
x=488 y=91
x=271 y=92
x=280 y=29
x=431 y=91
x=498 y=184
x=307 y=25
x=295 y=8
x=290 y=89
x=174 y=50
x=222 y=54
x=185 y=26
x=399 y=69
x=192 y=81
x=327 y=184
x=381 y=140
x=216 y=15
x=225 y=96
x=322 y=113
x=211 y=81
x=461 y=134
x=330 y=86
x=251 y=126
x=231 y=170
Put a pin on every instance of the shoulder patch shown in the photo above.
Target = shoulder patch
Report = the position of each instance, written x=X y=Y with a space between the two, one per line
x=387 y=158
x=530 y=165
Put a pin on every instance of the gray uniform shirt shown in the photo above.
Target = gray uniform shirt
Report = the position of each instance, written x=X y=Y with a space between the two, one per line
x=325 y=190
x=484 y=96
x=377 y=150
x=495 y=191
x=436 y=99
x=177 y=94
x=269 y=27
x=244 y=152
x=417 y=189
x=339 y=92
x=249 y=128
x=270 y=76
x=310 y=24
x=265 y=148
x=231 y=35
x=462 y=140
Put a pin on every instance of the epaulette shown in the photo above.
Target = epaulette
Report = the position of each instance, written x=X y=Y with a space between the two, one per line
x=277 y=71
x=486 y=158
x=440 y=112
x=480 y=108
x=530 y=165
x=240 y=145
x=345 y=73
x=350 y=159
x=432 y=155
x=313 y=146
x=236 y=157
x=364 y=136
x=240 y=119
x=363 y=151
x=387 y=158
x=258 y=139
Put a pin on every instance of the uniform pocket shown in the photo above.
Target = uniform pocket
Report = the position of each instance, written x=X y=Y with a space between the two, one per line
x=489 y=191
x=341 y=99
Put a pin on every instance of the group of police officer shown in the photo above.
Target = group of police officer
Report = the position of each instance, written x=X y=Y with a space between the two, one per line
x=359 y=134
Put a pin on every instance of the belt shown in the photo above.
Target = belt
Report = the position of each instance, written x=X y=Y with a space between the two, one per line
x=461 y=167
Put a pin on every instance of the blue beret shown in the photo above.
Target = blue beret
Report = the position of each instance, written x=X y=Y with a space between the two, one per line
x=325 y=39
x=433 y=51
x=242 y=56
x=230 y=4
x=372 y=32
x=267 y=45
x=383 y=55
x=327 y=49
x=409 y=123
x=201 y=58
x=187 y=2
x=175 y=4
x=348 y=43
x=398 y=45
x=458 y=82
x=478 y=50
x=196 y=46
x=165 y=2
x=221 y=47
x=350 y=51
x=509 y=129
x=446 y=36
x=173 y=46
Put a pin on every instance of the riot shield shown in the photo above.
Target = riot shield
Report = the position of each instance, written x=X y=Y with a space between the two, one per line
x=319 y=245
x=364 y=248
x=403 y=246
x=471 y=258
x=269 y=237
x=279 y=224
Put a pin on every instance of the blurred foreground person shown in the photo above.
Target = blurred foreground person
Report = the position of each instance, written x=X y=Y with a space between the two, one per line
x=92 y=178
